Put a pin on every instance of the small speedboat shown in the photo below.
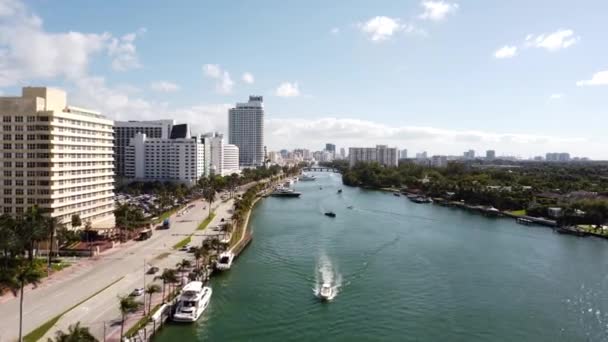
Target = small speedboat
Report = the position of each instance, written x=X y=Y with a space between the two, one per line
x=350 y=207
x=396 y=194
x=340 y=191
x=330 y=214
x=326 y=292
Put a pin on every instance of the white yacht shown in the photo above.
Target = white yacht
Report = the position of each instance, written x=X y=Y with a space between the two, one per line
x=226 y=238
x=224 y=261
x=307 y=178
x=326 y=292
x=192 y=301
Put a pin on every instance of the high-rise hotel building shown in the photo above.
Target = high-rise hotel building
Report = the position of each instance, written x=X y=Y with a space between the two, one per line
x=382 y=154
x=125 y=130
x=56 y=156
x=246 y=130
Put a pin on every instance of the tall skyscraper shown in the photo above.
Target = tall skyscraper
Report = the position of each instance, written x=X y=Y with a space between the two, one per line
x=490 y=154
x=342 y=153
x=57 y=157
x=246 y=130
x=403 y=154
x=125 y=130
x=331 y=148
x=470 y=154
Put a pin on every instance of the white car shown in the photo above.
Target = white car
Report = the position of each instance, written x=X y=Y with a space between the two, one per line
x=137 y=292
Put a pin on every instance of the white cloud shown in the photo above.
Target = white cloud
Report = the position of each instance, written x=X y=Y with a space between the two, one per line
x=164 y=86
x=382 y=28
x=506 y=51
x=437 y=10
x=557 y=40
x=291 y=133
x=123 y=51
x=212 y=70
x=224 y=82
x=28 y=52
x=248 y=78
x=287 y=89
x=556 y=96
x=598 y=79
x=335 y=31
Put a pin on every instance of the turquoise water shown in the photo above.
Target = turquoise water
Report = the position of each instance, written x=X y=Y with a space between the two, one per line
x=403 y=272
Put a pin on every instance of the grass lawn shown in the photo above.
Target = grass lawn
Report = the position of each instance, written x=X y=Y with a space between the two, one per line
x=182 y=243
x=518 y=212
x=206 y=221
x=37 y=333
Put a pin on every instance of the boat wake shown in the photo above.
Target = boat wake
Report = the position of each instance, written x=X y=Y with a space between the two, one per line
x=327 y=274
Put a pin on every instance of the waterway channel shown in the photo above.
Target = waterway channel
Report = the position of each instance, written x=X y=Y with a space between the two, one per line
x=403 y=272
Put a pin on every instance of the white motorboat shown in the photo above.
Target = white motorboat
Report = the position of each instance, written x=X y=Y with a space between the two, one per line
x=307 y=178
x=326 y=292
x=224 y=261
x=192 y=302
x=226 y=238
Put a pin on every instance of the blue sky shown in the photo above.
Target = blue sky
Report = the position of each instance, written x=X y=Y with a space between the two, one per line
x=521 y=77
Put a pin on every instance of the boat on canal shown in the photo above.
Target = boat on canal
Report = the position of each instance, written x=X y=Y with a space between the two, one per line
x=284 y=192
x=307 y=178
x=192 y=302
x=330 y=214
x=224 y=261
x=326 y=292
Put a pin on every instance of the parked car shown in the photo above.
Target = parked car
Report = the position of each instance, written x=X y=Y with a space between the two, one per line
x=153 y=270
x=222 y=220
x=185 y=248
x=216 y=228
x=137 y=292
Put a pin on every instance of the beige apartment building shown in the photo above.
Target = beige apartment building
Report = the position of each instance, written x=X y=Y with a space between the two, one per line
x=56 y=156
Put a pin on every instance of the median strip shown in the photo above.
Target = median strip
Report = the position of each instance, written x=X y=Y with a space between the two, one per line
x=183 y=242
x=39 y=332
x=206 y=221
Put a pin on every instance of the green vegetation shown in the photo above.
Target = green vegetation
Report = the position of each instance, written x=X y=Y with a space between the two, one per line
x=162 y=256
x=206 y=221
x=579 y=189
x=128 y=218
x=182 y=243
x=127 y=305
x=518 y=212
x=39 y=332
x=75 y=333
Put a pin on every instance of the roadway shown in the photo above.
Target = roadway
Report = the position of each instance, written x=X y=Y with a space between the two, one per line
x=125 y=263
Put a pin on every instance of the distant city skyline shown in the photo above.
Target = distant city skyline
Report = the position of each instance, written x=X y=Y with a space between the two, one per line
x=442 y=76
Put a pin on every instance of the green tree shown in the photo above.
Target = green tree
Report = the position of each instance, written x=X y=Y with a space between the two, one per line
x=75 y=333
x=127 y=305
x=52 y=225
x=209 y=196
x=25 y=273
x=76 y=221
x=151 y=289
x=168 y=277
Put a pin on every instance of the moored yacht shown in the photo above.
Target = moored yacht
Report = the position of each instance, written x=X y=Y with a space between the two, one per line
x=192 y=301
x=224 y=261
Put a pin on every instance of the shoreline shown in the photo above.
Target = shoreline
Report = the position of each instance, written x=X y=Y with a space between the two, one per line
x=485 y=210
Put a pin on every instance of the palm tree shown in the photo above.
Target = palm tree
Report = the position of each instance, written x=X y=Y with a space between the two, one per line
x=198 y=255
x=209 y=196
x=150 y=290
x=32 y=230
x=75 y=333
x=52 y=225
x=182 y=266
x=25 y=273
x=127 y=305
x=168 y=276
